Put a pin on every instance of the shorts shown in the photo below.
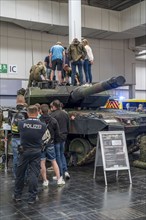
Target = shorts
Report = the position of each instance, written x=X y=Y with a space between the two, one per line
x=49 y=153
x=58 y=63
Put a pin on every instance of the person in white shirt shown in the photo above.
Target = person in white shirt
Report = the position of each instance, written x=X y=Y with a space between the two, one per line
x=88 y=62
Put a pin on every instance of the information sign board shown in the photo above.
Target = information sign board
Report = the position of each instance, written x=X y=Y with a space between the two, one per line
x=114 y=152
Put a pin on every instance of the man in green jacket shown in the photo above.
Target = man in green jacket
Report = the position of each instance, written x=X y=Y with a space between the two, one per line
x=77 y=54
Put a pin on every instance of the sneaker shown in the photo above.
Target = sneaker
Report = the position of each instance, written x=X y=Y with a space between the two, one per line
x=61 y=181
x=85 y=85
x=45 y=183
x=54 y=177
x=67 y=176
x=16 y=199
x=32 y=201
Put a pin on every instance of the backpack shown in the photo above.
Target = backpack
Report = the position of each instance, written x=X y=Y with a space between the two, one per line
x=18 y=115
x=81 y=50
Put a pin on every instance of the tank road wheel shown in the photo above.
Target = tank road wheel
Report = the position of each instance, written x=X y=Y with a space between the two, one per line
x=93 y=139
x=78 y=148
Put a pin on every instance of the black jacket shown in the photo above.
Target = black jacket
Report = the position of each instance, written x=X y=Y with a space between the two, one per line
x=63 y=121
x=52 y=126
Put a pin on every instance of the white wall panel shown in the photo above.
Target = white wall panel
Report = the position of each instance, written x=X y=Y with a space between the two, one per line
x=114 y=21
x=94 y=43
x=63 y=14
x=125 y=19
x=105 y=58
x=106 y=44
x=56 y=13
x=105 y=19
x=28 y=57
x=29 y=11
x=92 y=17
x=143 y=12
x=96 y=65
x=141 y=75
x=45 y=8
x=129 y=62
x=3 y=28
x=83 y=15
x=4 y=50
x=135 y=15
x=117 y=44
x=36 y=35
x=15 y=31
x=7 y=8
x=16 y=55
x=37 y=56
x=117 y=62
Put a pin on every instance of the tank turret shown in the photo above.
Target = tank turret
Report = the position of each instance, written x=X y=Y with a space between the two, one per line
x=73 y=96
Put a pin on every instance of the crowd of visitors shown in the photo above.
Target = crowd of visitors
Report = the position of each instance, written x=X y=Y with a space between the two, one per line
x=38 y=134
x=69 y=63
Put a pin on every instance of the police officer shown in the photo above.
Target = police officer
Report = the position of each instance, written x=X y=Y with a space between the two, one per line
x=33 y=134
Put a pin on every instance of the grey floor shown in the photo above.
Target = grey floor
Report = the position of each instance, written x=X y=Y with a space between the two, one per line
x=81 y=198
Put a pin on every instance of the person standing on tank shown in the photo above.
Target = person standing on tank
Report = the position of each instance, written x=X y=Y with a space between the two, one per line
x=57 y=59
x=77 y=54
x=47 y=64
x=63 y=120
x=87 y=63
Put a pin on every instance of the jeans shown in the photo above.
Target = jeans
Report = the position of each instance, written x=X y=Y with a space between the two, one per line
x=87 y=70
x=48 y=73
x=15 y=143
x=29 y=158
x=79 y=64
x=60 y=158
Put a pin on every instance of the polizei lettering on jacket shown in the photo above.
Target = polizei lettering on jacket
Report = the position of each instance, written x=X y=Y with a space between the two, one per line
x=33 y=126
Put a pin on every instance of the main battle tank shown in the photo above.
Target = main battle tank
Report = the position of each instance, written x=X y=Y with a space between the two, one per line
x=88 y=116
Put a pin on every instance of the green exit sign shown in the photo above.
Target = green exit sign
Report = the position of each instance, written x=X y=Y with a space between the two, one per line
x=3 y=68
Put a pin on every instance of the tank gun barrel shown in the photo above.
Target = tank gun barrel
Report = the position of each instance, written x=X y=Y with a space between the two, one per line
x=82 y=92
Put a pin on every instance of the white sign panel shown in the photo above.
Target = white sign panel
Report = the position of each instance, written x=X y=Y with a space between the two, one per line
x=12 y=69
x=114 y=152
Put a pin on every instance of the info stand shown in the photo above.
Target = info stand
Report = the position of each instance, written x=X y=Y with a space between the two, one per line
x=113 y=151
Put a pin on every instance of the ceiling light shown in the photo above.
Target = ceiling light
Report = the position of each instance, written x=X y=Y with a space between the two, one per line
x=141 y=57
x=142 y=52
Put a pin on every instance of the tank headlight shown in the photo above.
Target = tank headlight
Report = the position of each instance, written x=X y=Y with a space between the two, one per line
x=128 y=121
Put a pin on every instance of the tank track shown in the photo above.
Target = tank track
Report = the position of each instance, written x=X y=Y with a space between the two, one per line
x=88 y=158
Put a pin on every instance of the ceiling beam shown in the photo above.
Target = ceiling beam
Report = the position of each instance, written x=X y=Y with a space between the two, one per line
x=120 y=4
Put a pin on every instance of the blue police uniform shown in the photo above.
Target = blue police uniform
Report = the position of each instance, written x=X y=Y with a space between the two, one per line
x=32 y=134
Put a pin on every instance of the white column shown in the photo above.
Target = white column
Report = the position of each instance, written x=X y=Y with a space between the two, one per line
x=74 y=19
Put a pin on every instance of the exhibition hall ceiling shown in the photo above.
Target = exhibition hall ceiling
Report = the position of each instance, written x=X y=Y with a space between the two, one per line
x=117 y=5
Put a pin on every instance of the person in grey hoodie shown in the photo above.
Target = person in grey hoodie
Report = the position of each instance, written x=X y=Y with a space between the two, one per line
x=77 y=54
